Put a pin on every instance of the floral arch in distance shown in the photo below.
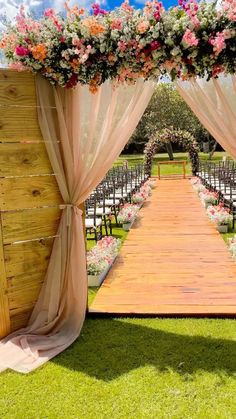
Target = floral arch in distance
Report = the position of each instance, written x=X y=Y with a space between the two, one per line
x=167 y=135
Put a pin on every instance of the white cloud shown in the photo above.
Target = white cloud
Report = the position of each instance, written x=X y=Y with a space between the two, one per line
x=58 y=5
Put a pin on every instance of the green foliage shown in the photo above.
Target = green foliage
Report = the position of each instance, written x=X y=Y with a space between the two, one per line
x=166 y=109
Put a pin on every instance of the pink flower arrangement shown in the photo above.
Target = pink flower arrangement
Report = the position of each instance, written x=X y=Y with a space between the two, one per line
x=209 y=197
x=138 y=198
x=127 y=213
x=146 y=190
x=232 y=245
x=219 y=214
x=190 y=39
x=102 y=255
x=218 y=42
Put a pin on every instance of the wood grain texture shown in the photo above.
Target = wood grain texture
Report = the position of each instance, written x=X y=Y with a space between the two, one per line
x=173 y=262
x=30 y=224
x=28 y=192
x=27 y=258
x=20 y=159
x=18 y=111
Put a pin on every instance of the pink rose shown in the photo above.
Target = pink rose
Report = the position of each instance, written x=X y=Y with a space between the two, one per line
x=218 y=42
x=49 y=13
x=116 y=24
x=190 y=39
x=22 y=51
x=142 y=26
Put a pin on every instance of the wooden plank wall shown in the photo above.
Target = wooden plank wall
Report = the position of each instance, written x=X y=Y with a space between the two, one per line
x=29 y=201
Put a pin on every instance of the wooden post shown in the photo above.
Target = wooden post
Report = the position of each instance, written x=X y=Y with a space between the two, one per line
x=159 y=171
x=184 y=167
x=5 y=326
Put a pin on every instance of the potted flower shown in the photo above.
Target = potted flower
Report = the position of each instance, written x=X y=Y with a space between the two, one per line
x=220 y=216
x=100 y=259
x=97 y=269
x=209 y=198
x=127 y=215
x=232 y=245
x=197 y=185
x=151 y=183
x=146 y=190
x=138 y=198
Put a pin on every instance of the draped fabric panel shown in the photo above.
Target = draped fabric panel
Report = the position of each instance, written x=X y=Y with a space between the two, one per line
x=84 y=134
x=214 y=103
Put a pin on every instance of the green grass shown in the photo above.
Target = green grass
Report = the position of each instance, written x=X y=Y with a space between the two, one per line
x=166 y=170
x=132 y=369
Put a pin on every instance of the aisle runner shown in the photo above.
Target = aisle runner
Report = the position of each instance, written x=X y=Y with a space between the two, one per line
x=173 y=262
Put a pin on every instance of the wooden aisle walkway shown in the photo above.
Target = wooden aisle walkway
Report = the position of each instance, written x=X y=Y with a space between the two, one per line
x=173 y=262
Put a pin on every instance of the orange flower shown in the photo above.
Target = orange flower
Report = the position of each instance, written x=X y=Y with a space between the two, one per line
x=93 y=26
x=75 y=64
x=39 y=52
x=94 y=83
x=112 y=58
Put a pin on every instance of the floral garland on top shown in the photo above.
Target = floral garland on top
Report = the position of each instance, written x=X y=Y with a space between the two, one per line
x=124 y=44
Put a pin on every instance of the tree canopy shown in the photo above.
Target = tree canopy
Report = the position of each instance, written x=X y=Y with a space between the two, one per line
x=166 y=109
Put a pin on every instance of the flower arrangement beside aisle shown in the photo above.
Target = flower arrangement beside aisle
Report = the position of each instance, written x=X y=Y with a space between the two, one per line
x=138 y=198
x=127 y=215
x=151 y=183
x=209 y=197
x=101 y=258
x=232 y=246
x=197 y=185
x=146 y=190
x=220 y=216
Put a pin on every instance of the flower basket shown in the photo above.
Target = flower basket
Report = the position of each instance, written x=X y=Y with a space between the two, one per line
x=128 y=226
x=127 y=215
x=220 y=216
x=97 y=280
x=100 y=259
x=222 y=228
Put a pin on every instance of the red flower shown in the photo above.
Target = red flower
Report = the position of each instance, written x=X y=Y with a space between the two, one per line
x=72 y=82
x=22 y=51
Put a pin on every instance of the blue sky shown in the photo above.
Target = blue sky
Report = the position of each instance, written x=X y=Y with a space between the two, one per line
x=10 y=7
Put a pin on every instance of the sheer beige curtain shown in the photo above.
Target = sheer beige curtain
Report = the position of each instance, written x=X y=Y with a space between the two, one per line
x=84 y=134
x=214 y=103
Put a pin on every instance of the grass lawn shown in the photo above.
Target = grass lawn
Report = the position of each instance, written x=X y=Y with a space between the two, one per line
x=132 y=369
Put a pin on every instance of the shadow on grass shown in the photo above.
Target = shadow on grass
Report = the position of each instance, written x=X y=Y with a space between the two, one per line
x=110 y=348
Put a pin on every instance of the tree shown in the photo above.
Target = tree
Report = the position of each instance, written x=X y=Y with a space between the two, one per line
x=166 y=109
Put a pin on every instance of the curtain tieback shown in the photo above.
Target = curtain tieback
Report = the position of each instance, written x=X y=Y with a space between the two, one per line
x=69 y=208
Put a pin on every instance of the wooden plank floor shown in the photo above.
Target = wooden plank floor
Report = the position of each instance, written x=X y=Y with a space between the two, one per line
x=173 y=262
